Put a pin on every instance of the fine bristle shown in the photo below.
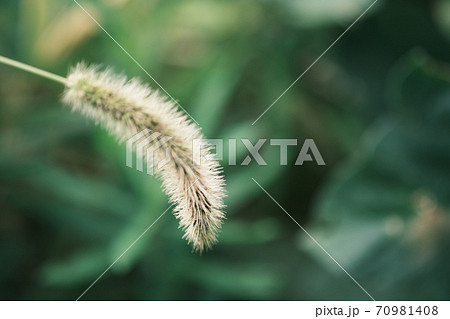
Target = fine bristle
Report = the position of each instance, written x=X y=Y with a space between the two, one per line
x=126 y=108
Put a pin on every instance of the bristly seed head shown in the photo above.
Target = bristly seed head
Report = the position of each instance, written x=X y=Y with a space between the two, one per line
x=129 y=107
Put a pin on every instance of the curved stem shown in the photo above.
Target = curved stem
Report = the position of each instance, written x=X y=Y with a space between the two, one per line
x=32 y=69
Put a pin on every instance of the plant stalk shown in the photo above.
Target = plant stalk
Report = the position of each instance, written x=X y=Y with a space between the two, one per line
x=32 y=69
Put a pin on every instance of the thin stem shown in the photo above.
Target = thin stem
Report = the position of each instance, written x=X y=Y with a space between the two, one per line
x=33 y=70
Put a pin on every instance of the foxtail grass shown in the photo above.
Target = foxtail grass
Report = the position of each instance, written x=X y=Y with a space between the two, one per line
x=126 y=107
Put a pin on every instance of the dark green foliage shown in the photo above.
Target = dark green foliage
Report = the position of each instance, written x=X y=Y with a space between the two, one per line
x=377 y=106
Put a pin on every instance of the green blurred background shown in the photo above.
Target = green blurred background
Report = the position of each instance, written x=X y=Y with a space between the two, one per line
x=377 y=105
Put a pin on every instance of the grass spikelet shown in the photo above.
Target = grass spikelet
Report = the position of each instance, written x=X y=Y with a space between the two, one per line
x=126 y=107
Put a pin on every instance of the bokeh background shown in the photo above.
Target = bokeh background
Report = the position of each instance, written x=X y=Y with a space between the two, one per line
x=377 y=105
